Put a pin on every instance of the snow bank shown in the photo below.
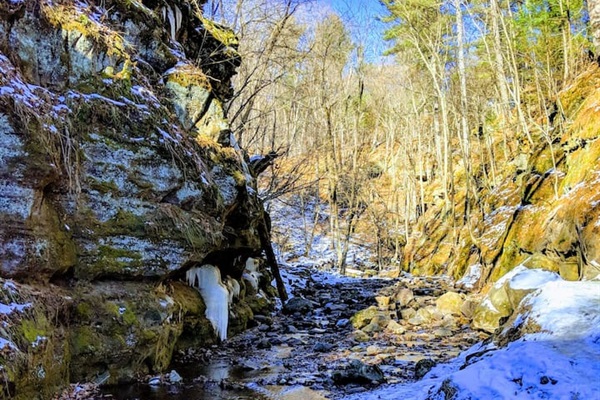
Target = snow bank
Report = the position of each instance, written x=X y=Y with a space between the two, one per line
x=559 y=360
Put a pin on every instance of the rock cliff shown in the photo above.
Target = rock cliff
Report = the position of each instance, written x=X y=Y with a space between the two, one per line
x=118 y=173
x=543 y=213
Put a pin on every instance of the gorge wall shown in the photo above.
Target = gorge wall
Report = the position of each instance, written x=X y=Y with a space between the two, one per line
x=544 y=211
x=118 y=173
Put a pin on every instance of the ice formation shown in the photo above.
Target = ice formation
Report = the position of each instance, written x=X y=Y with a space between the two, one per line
x=234 y=288
x=216 y=296
x=251 y=273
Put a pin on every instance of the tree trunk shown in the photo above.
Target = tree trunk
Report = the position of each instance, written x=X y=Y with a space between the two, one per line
x=464 y=124
x=500 y=71
x=265 y=241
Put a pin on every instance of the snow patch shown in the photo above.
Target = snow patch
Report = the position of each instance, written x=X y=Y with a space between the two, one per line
x=567 y=310
x=523 y=278
x=4 y=343
x=471 y=277
x=12 y=307
x=207 y=279
x=560 y=362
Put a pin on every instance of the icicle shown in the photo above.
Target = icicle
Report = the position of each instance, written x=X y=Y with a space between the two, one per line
x=251 y=273
x=234 y=288
x=178 y=19
x=172 y=22
x=216 y=296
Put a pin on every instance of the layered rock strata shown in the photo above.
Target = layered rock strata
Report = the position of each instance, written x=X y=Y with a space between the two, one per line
x=118 y=173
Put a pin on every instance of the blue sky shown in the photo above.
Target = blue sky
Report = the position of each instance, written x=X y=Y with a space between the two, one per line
x=361 y=19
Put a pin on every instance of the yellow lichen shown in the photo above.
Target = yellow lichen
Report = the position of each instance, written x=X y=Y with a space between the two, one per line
x=220 y=33
x=187 y=76
x=69 y=18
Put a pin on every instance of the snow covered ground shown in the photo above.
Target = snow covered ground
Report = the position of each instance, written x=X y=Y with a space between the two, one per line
x=561 y=360
x=556 y=355
x=300 y=241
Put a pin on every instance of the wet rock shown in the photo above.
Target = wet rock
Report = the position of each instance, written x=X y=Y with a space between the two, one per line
x=154 y=381
x=331 y=307
x=423 y=367
x=294 y=342
x=321 y=347
x=450 y=303
x=298 y=305
x=342 y=323
x=359 y=373
x=264 y=344
x=264 y=319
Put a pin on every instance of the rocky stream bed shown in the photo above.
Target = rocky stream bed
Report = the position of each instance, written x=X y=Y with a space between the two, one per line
x=335 y=337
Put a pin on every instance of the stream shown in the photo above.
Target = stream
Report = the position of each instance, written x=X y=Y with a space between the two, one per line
x=310 y=350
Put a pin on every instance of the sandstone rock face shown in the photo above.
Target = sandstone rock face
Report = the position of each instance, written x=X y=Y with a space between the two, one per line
x=117 y=174
x=542 y=212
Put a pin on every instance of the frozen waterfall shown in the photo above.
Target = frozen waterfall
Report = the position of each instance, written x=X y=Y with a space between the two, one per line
x=216 y=296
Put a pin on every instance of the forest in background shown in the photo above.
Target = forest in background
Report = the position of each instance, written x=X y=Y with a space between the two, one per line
x=468 y=91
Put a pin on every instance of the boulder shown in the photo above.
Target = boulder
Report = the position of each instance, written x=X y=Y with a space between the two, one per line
x=408 y=313
x=468 y=307
x=426 y=315
x=358 y=372
x=404 y=297
x=363 y=317
x=377 y=323
x=395 y=328
x=450 y=303
x=423 y=366
x=298 y=305
x=360 y=336
x=506 y=294
x=383 y=302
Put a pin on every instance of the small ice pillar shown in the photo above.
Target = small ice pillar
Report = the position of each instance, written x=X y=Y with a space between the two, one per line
x=233 y=287
x=207 y=279
x=251 y=273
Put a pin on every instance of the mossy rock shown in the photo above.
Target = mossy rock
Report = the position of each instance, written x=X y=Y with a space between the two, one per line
x=363 y=317
x=259 y=305
x=240 y=314
x=221 y=33
x=129 y=329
